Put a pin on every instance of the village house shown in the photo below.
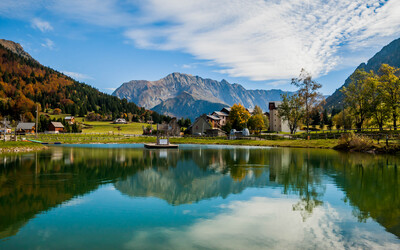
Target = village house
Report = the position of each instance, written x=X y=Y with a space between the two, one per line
x=5 y=129
x=25 y=128
x=70 y=120
x=55 y=128
x=214 y=120
x=200 y=126
x=216 y=132
x=276 y=123
x=251 y=111
x=222 y=115
x=168 y=129
x=226 y=110
x=173 y=127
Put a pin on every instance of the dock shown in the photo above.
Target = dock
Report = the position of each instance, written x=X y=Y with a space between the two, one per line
x=161 y=143
x=159 y=146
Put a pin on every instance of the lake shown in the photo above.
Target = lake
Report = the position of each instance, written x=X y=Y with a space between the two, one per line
x=198 y=197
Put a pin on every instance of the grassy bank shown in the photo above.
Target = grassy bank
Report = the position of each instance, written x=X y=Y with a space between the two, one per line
x=20 y=146
x=103 y=138
x=271 y=143
x=109 y=138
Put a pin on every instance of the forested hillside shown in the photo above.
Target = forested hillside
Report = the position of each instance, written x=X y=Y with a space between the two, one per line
x=390 y=54
x=24 y=83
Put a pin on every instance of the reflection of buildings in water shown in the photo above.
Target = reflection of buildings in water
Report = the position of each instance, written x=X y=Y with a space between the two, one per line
x=233 y=154
x=217 y=162
x=57 y=154
x=242 y=154
x=278 y=162
x=71 y=156
x=8 y=160
x=246 y=155
x=163 y=153
x=120 y=158
x=160 y=158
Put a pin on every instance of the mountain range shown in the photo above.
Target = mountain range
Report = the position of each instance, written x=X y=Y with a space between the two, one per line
x=184 y=95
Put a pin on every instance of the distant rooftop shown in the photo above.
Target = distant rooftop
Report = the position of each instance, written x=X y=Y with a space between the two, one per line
x=215 y=118
x=25 y=125
x=220 y=113
x=57 y=124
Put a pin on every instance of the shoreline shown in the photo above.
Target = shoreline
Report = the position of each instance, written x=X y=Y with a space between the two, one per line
x=22 y=147
x=321 y=144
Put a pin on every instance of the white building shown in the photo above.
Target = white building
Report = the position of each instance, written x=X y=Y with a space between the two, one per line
x=276 y=123
x=120 y=121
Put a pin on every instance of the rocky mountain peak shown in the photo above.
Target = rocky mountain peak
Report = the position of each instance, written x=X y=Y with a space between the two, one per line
x=15 y=48
x=180 y=94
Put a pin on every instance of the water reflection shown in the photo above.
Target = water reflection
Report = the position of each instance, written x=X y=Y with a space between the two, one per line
x=263 y=223
x=34 y=183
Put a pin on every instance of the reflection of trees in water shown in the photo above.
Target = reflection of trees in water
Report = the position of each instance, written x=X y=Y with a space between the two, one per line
x=33 y=183
x=30 y=185
x=371 y=184
x=299 y=173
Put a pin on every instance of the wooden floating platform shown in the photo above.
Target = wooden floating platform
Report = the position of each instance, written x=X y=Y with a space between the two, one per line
x=155 y=146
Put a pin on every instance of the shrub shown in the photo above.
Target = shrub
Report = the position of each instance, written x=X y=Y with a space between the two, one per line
x=353 y=142
x=56 y=111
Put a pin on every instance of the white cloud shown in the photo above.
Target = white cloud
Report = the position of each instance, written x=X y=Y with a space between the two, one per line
x=266 y=40
x=187 y=66
x=278 y=83
x=41 y=25
x=76 y=75
x=110 y=89
x=256 y=39
x=267 y=223
x=48 y=43
x=73 y=202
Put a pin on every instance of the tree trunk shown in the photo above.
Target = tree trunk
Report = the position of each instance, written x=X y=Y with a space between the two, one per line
x=359 y=125
x=394 y=120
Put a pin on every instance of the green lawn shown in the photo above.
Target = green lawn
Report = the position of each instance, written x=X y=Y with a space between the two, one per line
x=104 y=138
x=134 y=128
x=103 y=127
x=89 y=138
x=330 y=143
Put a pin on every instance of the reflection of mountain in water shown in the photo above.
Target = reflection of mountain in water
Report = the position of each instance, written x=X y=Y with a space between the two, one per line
x=31 y=184
x=186 y=183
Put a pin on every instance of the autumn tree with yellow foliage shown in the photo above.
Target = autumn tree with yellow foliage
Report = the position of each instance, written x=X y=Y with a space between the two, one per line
x=238 y=116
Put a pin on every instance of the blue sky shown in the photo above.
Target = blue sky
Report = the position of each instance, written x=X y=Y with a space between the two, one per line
x=259 y=44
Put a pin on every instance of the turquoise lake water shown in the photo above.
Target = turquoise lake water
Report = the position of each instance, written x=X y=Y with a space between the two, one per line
x=198 y=197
